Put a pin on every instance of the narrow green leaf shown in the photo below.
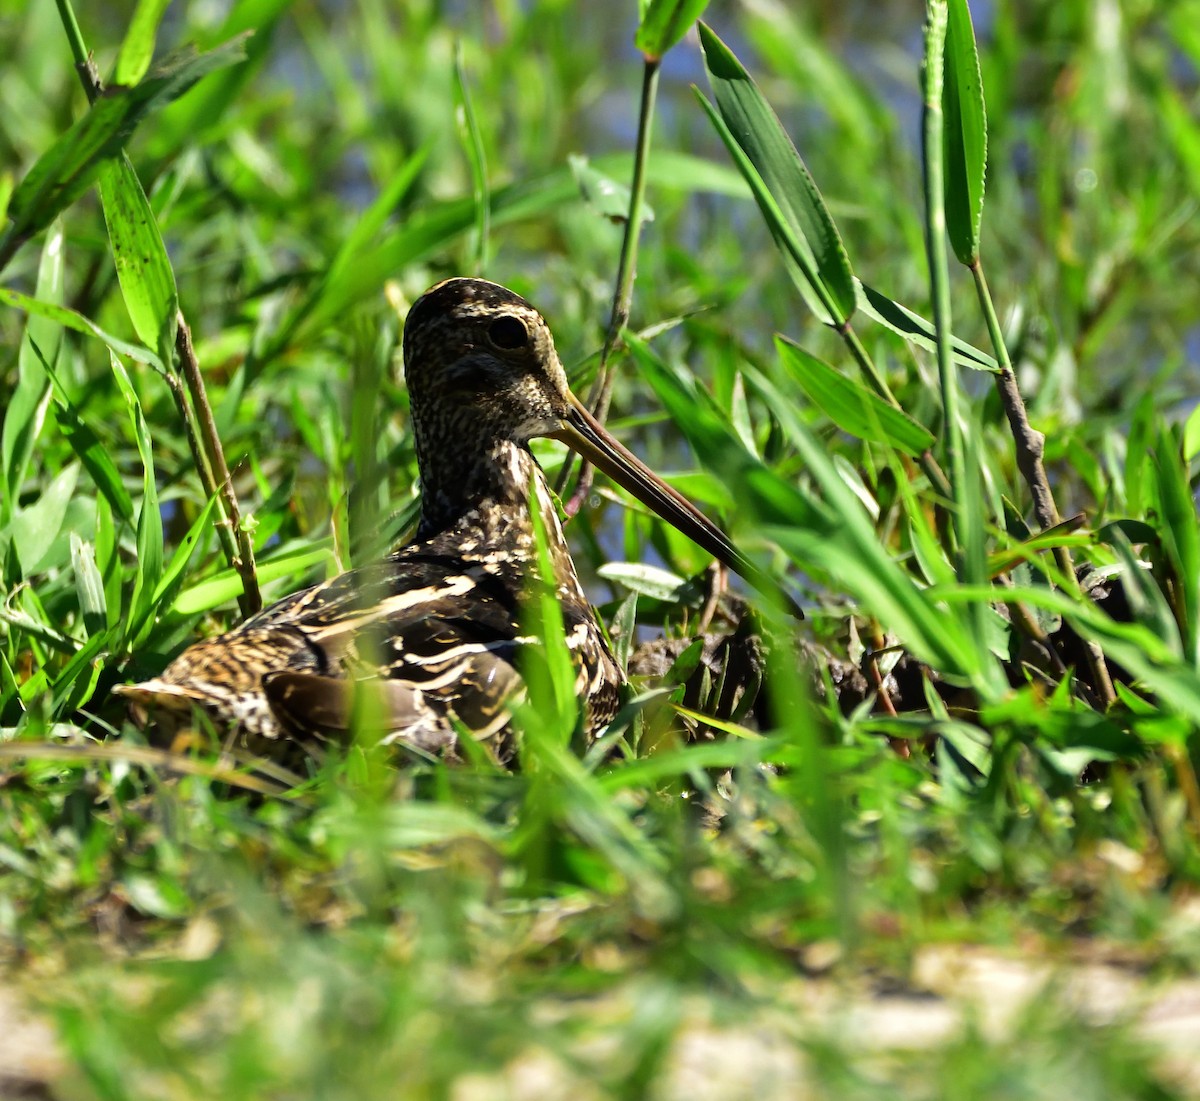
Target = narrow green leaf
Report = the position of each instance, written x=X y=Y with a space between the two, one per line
x=471 y=140
x=96 y=460
x=80 y=324
x=1180 y=532
x=1191 y=435
x=602 y=193
x=149 y=525
x=965 y=135
x=108 y=559
x=69 y=167
x=171 y=576
x=188 y=120
x=138 y=47
x=89 y=585
x=834 y=535
x=852 y=407
x=1137 y=452
x=27 y=405
x=916 y=330
x=756 y=130
x=366 y=231
x=665 y=22
x=227 y=585
x=34 y=529
x=143 y=267
x=646 y=580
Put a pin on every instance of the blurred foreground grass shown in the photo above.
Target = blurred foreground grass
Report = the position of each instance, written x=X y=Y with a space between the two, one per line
x=592 y=927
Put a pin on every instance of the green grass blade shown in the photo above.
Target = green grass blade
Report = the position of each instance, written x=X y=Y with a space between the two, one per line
x=71 y=319
x=471 y=140
x=226 y=585
x=137 y=49
x=965 y=135
x=27 y=404
x=70 y=166
x=143 y=267
x=89 y=586
x=664 y=23
x=1180 y=533
x=149 y=523
x=191 y=118
x=916 y=330
x=35 y=529
x=756 y=130
x=95 y=458
x=852 y=407
x=834 y=536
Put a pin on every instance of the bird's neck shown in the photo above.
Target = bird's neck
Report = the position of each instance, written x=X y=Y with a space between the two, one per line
x=486 y=509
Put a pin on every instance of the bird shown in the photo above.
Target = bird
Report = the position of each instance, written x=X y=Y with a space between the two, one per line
x=437 y=626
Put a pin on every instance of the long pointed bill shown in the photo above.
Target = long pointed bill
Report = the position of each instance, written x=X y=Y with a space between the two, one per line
x=582 y=432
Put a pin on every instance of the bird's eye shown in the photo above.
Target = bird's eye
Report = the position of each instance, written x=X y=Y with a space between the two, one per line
x=508 y=333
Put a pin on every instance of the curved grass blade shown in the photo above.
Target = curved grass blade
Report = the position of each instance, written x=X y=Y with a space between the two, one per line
x=96 y=460
x=172 y=576
x=664 y=23
x=916 y=330
x=138 y=47
x=833 y=535
x=143 y=267
x=34 y=529
x=70 y=166
x=89 y=586
x=965 y=135
x=227 y=585
x=39 y=350
x=149 y=524
x=72 y=320
x=852 y=407
x=1180 y=533
x=813 y=239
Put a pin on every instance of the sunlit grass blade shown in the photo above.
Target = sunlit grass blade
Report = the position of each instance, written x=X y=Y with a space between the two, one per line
x=834 y=536
x=71 y=319
x=66 y=170
x=812 y=237
x=226 y=585
x=852 y=407
x=137 y=48
x=1180 y=533
x=916 y=330
x=35 y=528
x=89 y=585
x=143 y=267
x=965 y=135
x=149 y=523
x=172 y=575
x=664 y=22
x=26 y=410
x=95 y=458
x=471 y=140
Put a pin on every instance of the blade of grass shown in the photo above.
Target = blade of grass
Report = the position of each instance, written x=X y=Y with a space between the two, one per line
x=42 y=342
x=137 y=48
x=853 y=408
x=149 y=524
x=70 y=166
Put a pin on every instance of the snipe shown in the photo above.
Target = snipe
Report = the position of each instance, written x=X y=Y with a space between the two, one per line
x=438 y=623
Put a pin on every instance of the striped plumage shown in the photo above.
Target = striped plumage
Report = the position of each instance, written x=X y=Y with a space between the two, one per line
x=437 y=625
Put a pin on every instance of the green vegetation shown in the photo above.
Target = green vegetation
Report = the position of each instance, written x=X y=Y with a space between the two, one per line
x=1026 y=772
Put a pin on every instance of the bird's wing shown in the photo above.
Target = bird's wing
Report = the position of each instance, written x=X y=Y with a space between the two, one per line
x=436 y=640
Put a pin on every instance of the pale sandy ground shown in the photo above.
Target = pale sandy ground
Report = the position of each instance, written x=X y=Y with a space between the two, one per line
x=763 y=1059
